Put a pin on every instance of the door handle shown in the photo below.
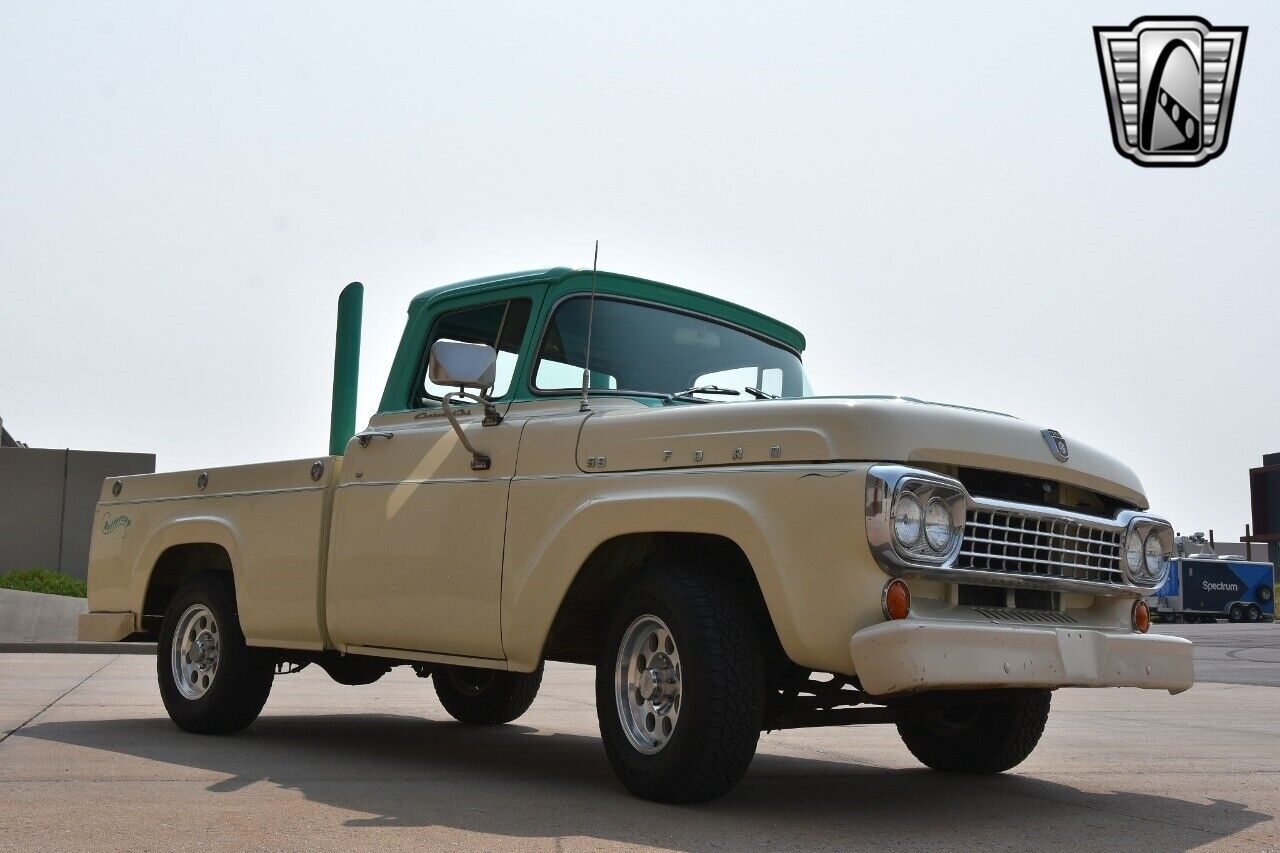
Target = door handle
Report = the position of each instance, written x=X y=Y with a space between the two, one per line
x=366 y=437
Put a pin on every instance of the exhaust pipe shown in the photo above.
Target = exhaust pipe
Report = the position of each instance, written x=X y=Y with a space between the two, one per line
x=346 y=368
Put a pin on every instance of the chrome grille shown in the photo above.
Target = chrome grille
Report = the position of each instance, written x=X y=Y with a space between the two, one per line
x=1014 y=543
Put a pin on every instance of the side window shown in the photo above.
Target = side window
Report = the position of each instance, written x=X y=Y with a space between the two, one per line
x=501 y=325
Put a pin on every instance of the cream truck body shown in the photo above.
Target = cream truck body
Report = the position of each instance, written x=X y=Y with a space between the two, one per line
x=403 y=550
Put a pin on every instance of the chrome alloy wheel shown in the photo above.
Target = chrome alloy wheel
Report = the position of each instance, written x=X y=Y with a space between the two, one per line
x=647 y=684
x=195 y=651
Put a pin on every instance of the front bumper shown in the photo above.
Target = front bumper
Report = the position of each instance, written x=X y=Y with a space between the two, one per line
x=913 y=655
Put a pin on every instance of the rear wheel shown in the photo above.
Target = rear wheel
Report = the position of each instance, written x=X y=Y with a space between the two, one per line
x=210 y=681
x=680 y=686
x=485 y=697
x=1253 y=613
x=1236 y=613
x=977 y=737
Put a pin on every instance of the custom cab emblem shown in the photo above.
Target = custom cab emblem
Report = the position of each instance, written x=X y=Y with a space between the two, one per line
x=1057 y=444
x=1170 y=85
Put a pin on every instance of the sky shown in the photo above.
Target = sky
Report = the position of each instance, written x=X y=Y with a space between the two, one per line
x=928 y=191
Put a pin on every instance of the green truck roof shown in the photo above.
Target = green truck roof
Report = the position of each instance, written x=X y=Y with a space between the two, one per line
x=618 y=284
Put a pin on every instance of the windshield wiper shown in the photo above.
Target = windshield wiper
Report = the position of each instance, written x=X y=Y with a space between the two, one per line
x=761 y=395
x=700 y=389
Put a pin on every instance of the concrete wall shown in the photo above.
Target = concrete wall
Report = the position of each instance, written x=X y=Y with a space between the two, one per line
x=32 y=617
x=47 y=499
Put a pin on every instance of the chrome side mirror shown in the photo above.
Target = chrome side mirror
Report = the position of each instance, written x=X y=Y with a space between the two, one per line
x=467 y=366
x=462 y=364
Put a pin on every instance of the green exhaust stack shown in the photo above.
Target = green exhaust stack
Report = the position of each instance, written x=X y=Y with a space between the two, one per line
x=346 y=368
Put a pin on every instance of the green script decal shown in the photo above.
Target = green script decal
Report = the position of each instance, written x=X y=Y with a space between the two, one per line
x=109 y=524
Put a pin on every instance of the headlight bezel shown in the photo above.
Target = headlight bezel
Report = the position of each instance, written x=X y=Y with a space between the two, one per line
x=1146 y=528
x=926 y=489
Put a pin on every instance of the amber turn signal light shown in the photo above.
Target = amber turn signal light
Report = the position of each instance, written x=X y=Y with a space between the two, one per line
x=1141 y=616
x=895 y=600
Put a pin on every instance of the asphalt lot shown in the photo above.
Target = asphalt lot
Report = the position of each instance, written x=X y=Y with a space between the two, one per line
x=1233 y=654
x=90 y=761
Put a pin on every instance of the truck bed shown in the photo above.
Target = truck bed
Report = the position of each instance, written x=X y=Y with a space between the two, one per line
x=270 y=519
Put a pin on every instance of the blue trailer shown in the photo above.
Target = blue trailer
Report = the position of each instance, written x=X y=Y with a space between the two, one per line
x=1202 y=589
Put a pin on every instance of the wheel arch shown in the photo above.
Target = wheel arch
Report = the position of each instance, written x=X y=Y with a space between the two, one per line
x=585 y=610
x=556 y=603
x=177 y=552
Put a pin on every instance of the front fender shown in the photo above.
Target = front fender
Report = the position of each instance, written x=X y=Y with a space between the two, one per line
x=800 y=528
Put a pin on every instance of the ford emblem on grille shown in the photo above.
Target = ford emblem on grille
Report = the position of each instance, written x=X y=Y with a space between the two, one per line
x=1057 y=444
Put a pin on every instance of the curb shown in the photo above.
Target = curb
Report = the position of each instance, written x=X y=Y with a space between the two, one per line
x=79 y=648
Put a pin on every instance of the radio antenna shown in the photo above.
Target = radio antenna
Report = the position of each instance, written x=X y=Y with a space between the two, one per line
x=591 y=315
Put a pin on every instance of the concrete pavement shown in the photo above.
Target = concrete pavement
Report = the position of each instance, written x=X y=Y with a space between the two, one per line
x=95 y=764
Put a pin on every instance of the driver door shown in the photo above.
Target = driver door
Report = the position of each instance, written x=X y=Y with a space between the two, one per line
x=415 y=558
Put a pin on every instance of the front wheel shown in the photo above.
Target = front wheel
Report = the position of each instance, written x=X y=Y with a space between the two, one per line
x=485 y=697
x=210 y=681
x=1235 y=614
x=1253 y=613
x=977 y=737
x=680 y=686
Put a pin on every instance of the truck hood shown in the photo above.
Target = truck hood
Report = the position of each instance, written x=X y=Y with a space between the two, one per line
x=846 y=429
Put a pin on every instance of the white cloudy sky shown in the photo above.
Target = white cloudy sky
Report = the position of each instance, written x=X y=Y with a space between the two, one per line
x=928 y=191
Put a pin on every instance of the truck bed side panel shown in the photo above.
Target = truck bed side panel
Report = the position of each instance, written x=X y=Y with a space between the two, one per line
x=271 y=519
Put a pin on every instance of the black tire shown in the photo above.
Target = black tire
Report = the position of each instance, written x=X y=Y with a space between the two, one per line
x=1265 y=594
x=721 y=686
x=983 y=737
x=485 y=697
x=1235 y=614
x=240 y=682
x=1253 y=613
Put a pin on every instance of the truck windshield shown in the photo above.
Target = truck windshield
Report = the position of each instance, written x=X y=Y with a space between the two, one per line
x=652 y=350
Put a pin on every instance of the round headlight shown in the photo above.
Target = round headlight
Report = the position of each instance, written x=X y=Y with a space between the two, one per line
x=937 y=526
x=1133 y=554
x=908 y=519
x=1155 y=556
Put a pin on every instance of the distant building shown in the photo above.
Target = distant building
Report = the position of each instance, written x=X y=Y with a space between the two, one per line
x=1264 y=493
x=47 y=500
x=7 y=440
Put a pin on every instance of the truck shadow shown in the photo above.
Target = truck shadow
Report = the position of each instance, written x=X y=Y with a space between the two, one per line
x=524 y=783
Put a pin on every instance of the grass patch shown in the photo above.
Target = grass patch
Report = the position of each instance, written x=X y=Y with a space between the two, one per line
x=43 y=580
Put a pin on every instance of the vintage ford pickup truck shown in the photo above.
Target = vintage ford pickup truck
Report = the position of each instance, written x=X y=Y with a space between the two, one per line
x=612 y=471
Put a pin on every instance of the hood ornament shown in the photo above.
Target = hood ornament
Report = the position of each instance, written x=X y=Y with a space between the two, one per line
x=1057 y=444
